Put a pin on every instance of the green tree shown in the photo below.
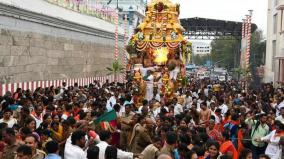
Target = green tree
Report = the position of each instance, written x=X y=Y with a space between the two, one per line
x=238 y=72
x=228 y=51
x=224 y=50
x=116 y=69
x=241 y=72
x=200 y=60
x=258 y=49
x=257 y=55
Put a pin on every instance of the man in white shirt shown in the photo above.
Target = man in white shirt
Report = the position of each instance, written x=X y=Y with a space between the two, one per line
x=37 y=114
x=178 y=109
x=63 y=88
x=112 y=101
x=281 y=116
x=280 y=104
x=74 y=150
x=223 y=107
x=149 y=86
x=157 y=111
x=188 y=99
x=206 y=90
x=105 y=137
x=194 y=94
x=7 y=118
x=217 y=115
x=199 y=101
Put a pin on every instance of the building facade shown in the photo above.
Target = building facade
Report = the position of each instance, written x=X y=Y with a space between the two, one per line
x=274 y=64
x=201 y=48
x=134 y=9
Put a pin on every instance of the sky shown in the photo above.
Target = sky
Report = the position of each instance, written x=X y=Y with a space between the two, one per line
x=231 y=10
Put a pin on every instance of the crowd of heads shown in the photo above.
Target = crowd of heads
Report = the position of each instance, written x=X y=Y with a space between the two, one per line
x=195 y=123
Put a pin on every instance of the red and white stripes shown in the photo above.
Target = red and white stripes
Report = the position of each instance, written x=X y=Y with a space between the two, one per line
x=248 y=39
x=125 y=44
x=246 y=26
x=32 y=85
x=116 y=36
x=243 y=28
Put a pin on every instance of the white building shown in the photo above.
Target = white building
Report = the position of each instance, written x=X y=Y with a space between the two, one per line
x=274 y=64
x=201 y=48
x=134 y=9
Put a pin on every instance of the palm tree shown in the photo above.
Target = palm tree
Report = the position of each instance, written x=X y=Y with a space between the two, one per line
x=116 y=69
x=242 y=72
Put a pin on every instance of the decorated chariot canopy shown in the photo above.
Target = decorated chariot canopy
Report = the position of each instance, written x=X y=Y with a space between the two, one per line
x=160 y=28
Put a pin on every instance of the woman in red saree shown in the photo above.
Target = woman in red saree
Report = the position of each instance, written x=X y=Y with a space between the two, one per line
x=228 y=147
x=213 y=132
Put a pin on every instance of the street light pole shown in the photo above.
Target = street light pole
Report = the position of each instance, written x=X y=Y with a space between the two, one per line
x=111 y=1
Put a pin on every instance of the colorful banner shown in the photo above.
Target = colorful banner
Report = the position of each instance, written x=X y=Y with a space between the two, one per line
x=106 y=117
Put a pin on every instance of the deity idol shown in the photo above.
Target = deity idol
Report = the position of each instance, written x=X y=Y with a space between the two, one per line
x=167 y=87
x=139 y=87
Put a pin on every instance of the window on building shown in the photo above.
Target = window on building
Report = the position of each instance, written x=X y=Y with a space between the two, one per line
x=273 y=54
x=275 y=24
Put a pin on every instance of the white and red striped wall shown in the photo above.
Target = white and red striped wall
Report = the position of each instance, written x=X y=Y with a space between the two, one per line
x=32 y=85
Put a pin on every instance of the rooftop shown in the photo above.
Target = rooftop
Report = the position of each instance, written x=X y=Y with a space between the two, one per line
x=203 y=28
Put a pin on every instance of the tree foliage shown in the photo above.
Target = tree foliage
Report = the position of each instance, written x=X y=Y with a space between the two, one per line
x=258 y=49
x=227 y=51
x=200 y=60
x=223 y=52
x=115 y=69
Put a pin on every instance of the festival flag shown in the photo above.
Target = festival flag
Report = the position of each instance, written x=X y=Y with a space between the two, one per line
x=108 y=116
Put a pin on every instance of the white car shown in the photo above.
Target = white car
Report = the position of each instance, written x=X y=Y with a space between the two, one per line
x=202 y=75
x=222 y=78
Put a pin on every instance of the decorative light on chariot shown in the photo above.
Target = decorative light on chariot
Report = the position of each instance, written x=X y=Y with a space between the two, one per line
x=161 y=56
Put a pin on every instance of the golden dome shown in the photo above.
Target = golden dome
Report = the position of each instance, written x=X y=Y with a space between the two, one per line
x=161 y=23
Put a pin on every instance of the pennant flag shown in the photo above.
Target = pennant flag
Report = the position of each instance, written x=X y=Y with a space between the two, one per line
x=108 y=116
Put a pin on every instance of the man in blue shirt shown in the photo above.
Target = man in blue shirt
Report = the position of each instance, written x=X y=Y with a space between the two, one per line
x=52 y=150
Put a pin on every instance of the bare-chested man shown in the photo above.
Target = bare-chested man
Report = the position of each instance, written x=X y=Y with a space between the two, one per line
x=204 y=113
x=176 y=63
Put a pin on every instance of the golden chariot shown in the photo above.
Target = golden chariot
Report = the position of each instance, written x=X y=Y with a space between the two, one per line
x=158 y=43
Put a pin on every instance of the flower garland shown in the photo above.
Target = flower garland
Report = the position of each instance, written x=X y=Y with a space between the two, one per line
x=143 y=45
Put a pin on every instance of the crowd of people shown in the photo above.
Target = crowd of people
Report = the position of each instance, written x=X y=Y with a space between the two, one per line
x=203 y=120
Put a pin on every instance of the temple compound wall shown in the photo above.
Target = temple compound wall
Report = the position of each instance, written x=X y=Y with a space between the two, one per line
x=35 y=47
